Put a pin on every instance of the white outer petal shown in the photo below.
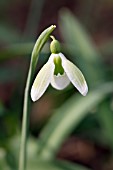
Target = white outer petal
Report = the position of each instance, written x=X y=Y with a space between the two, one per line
x=74 y=75
x=42 y=81
x=60 y=82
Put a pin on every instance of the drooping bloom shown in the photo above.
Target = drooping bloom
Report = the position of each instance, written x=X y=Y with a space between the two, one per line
x=59 y=72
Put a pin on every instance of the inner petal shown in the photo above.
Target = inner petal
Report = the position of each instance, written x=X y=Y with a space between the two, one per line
x=58 y=66
x=60 y=82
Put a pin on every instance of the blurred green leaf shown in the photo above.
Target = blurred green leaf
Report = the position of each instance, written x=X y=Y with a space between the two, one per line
x=82 y=48
x=74 y=33
x=11 y=161
x=106 y=48
x=66 y=118
x=3 y=163
x=54 y=165
x=19 y=49
x=33 y=19
x=105 y=118
x=15 y=49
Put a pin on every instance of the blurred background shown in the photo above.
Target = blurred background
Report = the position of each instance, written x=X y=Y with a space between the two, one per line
x=72 y=129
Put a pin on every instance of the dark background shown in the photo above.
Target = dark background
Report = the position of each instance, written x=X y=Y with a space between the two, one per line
x=90 y=143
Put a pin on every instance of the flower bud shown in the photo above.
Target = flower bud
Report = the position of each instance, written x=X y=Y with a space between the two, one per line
x=55 y=46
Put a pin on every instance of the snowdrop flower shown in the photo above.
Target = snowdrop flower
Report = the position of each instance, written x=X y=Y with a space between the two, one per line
x=59 y=72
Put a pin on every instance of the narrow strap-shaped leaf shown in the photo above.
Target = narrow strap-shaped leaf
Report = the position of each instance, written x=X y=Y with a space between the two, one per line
x=54 y=165
x=63 y=122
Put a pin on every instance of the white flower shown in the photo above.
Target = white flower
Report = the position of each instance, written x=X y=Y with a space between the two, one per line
x=59 y=72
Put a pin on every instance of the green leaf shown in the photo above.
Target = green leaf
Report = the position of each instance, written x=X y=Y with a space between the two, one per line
x=20 y=49
x=106 y=48
x=105 y=118
x=66 y=119
x=12 y=50
x=54 y=165
x=77 y=36
x=3 y=163
x=81 y=47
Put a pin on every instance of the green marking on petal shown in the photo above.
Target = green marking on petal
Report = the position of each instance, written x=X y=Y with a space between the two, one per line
x=58 y=66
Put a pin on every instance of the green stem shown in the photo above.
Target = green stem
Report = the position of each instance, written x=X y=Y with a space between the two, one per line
x=52 y=37
x=25 y=122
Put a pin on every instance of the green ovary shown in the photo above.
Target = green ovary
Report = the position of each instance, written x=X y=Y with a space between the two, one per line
x=58 y=66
